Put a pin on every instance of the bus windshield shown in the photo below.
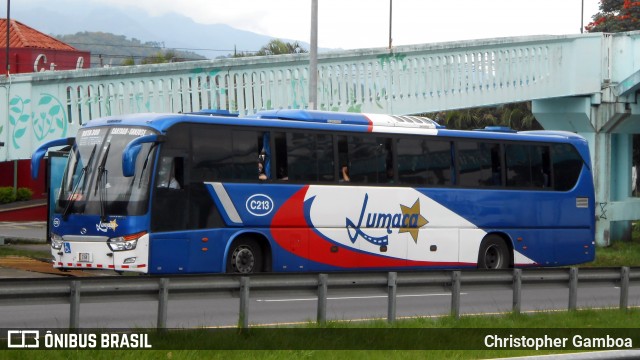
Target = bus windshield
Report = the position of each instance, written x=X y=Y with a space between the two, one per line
x=93 y=182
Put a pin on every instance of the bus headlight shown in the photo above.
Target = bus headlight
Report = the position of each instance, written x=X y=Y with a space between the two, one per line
x=56 y=241
x=124 y=243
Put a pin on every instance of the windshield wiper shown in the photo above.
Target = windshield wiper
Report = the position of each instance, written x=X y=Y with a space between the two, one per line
x=83 y=178
x=102 y=182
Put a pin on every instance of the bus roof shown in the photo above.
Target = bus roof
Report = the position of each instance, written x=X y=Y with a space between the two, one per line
x=333 y=121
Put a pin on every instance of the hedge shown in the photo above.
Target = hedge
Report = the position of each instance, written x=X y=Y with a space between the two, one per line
x=8 y=196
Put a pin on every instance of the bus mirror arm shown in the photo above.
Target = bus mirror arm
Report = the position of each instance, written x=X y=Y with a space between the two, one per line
x=131 y=151
x=37 y=156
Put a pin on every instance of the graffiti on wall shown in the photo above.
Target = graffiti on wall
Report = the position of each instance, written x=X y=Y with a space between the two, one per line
x=46 y=119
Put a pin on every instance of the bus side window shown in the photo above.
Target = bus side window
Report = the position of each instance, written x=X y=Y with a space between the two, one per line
x=310 y=157
x=496 y=165
x=528 y=166
x=567 y=165
x=540 y=166
x=324 y=150
x=412 y=161
x=424 y=161
x=212 y=156
x=169 y=205
x=171 y=172
x=281 y=158
x=246 y=146
x=368 y=157
x=479 y=164
x=343 y=159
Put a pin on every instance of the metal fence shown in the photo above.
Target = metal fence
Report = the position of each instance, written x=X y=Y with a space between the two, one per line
x=111 y=289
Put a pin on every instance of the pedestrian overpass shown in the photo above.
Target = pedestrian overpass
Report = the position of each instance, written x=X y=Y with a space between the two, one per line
x=586 y=83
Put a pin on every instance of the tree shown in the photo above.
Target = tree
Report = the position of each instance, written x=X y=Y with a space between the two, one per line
x=274 y=47
x=517 y=116
x=129 y=61
x=279 y=47
x=161 y=58
x=616 y=16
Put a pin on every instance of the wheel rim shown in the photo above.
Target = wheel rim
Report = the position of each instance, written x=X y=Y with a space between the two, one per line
x=493 y=258
x=243 y=259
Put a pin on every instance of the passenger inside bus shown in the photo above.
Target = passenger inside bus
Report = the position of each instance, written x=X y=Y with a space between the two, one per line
x=344 y=173
x=261 y=166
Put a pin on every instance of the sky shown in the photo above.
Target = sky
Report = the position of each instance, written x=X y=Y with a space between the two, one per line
x=352 y=24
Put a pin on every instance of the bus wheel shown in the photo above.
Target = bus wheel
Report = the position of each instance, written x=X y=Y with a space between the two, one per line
x=245 y=257
x=494 y=253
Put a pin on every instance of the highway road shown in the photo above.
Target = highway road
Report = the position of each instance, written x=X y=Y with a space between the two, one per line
x=295 y=307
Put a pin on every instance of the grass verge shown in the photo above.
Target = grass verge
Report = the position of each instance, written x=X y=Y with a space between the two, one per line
x=26 y=250
x=620 y=253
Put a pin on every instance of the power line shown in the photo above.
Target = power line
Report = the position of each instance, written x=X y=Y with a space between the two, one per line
x=142 y=46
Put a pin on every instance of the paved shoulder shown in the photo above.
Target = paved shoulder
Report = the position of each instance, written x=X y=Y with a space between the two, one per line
x=24 y=230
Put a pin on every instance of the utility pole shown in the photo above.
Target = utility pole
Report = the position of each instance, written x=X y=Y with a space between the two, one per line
x=313 y=58
x=8 y=29
x=582 y=18
x=390 y=22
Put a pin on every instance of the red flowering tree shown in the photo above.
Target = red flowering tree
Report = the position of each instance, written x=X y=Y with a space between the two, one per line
x=616 y=16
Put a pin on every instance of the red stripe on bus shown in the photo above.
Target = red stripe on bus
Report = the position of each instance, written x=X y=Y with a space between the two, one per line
x=370 y=127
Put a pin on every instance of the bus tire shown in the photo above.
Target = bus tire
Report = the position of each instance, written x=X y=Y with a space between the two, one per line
x=494 y=253
x=245 y=257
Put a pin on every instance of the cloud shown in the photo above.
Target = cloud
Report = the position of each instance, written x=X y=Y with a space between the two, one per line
x=352 y=24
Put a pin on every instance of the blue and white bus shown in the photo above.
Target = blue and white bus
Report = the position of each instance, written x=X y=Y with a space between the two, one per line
x=297 y=190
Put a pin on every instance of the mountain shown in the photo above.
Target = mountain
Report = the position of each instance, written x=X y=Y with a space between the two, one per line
x=64 y=17
x=115 y=50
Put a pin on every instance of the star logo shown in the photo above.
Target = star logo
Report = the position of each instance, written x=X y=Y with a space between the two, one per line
x=413 y=220
x=112 y=225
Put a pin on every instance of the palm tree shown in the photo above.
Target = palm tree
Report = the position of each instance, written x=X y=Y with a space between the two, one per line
x=279 y=47
x=517 y=116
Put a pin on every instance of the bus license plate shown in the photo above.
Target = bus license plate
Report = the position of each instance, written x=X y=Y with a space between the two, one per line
x=84 y=257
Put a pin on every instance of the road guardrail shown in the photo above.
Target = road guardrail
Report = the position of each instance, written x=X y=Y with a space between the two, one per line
x=162 y=288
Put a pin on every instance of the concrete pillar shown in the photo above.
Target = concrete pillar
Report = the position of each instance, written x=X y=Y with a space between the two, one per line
x=621 y=163
x=599 y=145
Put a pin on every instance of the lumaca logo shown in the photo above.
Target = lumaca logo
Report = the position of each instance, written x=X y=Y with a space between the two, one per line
x=104 y=226
x=409 y=220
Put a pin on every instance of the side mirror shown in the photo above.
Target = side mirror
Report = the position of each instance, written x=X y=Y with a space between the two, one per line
x=131 y=151
x=37 y=156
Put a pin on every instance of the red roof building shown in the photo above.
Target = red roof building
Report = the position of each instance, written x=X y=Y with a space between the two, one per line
x=31 y=51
